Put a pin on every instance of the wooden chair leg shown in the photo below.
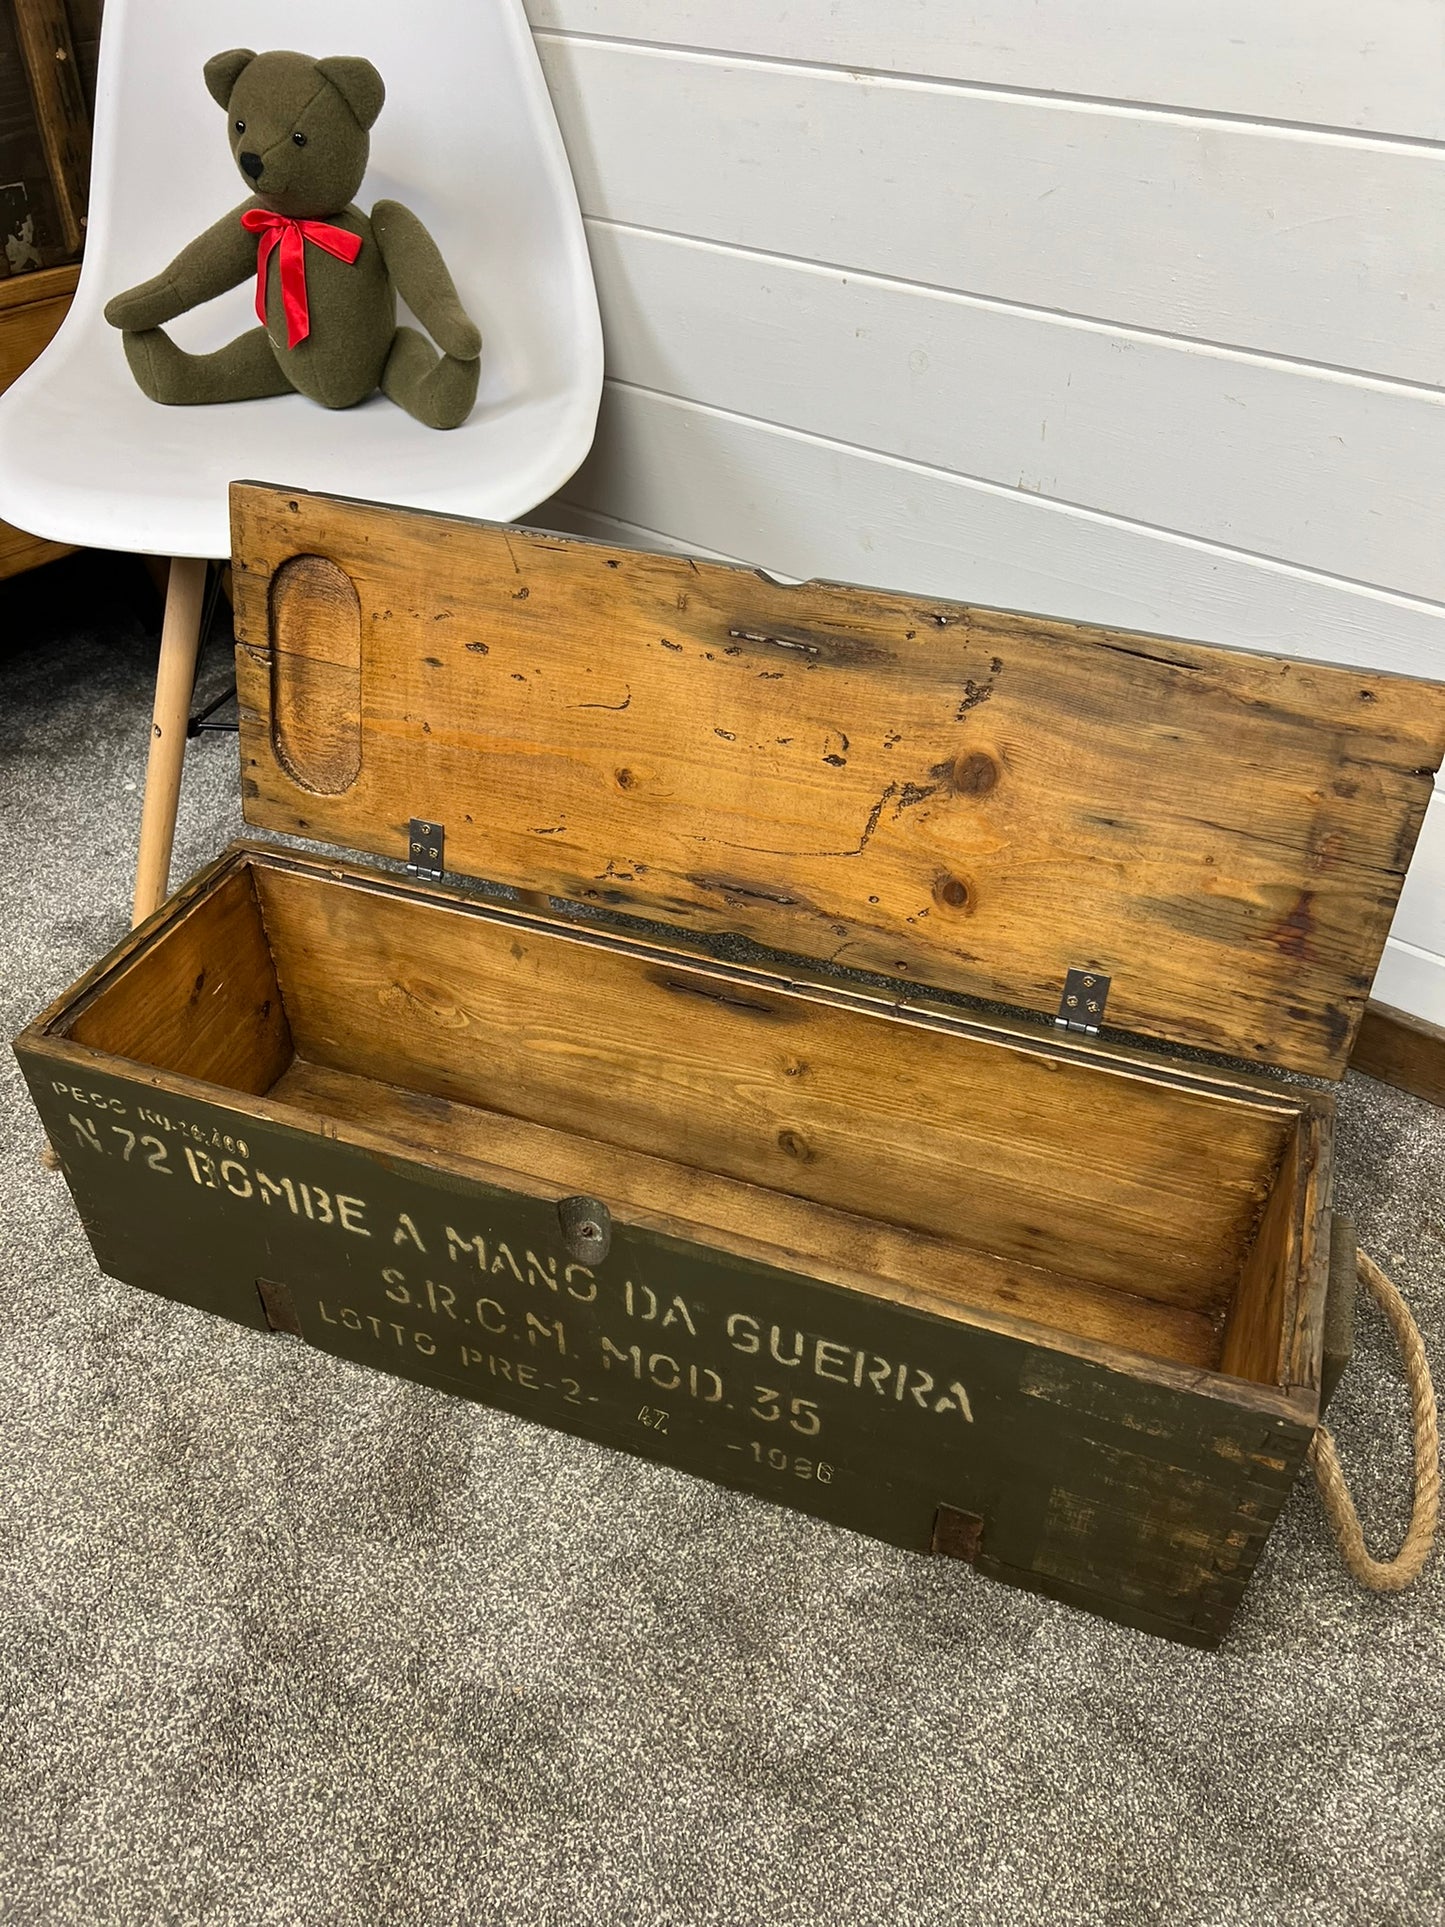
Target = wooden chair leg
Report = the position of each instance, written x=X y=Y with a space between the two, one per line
x=175 y=678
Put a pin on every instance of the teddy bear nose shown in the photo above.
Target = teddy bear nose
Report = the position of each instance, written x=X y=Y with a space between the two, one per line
x=253 y=164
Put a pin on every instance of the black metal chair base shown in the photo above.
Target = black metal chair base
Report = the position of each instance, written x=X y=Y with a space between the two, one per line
x=201 y=724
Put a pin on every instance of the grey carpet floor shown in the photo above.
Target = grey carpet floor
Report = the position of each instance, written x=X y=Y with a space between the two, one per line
x=284 y=1641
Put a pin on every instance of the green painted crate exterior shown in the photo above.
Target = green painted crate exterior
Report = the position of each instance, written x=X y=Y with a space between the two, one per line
x=1145 y=1501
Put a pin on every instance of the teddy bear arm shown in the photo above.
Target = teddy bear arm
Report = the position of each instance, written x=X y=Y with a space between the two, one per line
x=415 y=264
x=220 y=258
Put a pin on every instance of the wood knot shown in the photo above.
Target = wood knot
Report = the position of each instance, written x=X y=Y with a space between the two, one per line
x=796 y=1146
x=421 y=999
x=952 y=893
x=625 y=779
x=974 y=774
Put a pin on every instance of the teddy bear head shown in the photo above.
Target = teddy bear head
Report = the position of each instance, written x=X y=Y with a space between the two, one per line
x=298 y=127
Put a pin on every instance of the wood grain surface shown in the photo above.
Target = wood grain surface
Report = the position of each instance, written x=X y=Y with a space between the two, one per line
x=129 y=1014
x=32 y=307
x=949 y=795
x=1126 y=1182
x=316 y=674
x=201 y=1000
x=1402 y=1050
x=819 y=1241
x=42 y=28
x=1258 y=1324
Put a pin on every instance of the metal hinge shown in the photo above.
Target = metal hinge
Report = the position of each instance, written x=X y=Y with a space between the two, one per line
x=1082 y=1005
x=426 y=851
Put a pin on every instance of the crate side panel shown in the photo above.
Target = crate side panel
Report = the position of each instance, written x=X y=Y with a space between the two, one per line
x=1138 y=1498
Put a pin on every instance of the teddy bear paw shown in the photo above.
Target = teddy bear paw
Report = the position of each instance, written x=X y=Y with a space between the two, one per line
x=140 y=309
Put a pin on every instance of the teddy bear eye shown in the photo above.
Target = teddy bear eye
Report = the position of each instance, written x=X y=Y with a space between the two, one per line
x=240 y=127
x=300 y=139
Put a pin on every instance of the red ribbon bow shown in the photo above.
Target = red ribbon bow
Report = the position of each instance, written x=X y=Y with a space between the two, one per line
x=293 y=236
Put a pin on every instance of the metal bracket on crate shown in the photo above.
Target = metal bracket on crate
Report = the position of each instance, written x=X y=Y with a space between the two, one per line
x=957 y=1534
x=426 y=847
x=280 y=1309
x=586 y=1228
x=1082 y=1005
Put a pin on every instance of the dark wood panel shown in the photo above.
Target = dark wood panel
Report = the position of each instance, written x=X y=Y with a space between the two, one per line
x=1403 y=1050
x=84 y=18
x=23 y=164
x=32 y=307
x=949 y=795
x=20 y=551
x=61 y=109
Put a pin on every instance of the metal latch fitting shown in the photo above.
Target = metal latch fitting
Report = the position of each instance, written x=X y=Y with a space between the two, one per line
x=279 y=1306
x=426 y=851
x=1082 y=1005
x=957 y=1534
x=586 y=1228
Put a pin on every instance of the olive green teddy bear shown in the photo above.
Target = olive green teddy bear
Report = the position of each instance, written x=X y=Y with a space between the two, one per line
x=327 y=275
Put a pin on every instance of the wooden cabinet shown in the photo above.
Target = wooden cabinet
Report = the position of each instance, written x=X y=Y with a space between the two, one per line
x=32 y=307
x=47 y=90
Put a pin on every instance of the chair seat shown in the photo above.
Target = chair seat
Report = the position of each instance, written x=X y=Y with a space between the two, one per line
x=86 y=458
x=468 y=141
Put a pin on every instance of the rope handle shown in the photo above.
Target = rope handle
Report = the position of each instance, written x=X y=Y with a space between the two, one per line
x=1388 y=1575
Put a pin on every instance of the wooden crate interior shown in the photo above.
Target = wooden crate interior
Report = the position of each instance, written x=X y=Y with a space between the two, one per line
x=1022 y=1182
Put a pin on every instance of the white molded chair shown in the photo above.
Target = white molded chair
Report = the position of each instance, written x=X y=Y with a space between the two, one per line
x=467 y=139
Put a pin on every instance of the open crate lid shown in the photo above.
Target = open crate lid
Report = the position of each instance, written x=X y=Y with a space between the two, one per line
x=957 y=797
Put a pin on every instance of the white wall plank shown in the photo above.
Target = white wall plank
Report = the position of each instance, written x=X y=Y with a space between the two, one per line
x=568 y=518
x=1369 y=64
x=1331 y=472
x=1412 y=980
x=1420 y=918
x=1294 y=244
x=802 y=506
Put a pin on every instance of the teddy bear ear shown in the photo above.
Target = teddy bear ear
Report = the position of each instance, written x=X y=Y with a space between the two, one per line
x=357 y=82
x=224 y=70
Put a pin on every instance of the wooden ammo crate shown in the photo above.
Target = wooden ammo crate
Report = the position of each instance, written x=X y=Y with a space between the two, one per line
x=986 y=1285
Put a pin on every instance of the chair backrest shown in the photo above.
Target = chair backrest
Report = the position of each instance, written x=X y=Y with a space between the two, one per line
x=467 y=139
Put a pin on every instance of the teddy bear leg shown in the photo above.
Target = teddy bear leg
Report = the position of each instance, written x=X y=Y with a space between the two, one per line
x=436 y=389
x=244 y=369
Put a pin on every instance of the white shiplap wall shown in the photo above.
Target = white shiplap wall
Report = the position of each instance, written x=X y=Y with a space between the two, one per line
x=1105 y=308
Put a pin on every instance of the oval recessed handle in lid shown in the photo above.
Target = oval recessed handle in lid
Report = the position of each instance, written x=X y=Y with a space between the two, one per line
x=316 y=674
